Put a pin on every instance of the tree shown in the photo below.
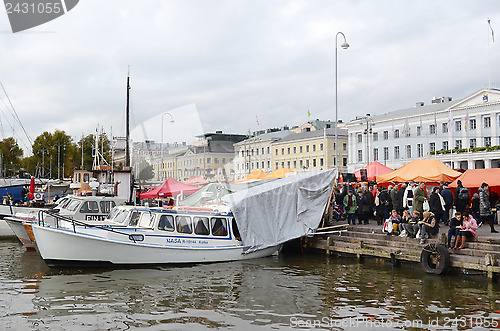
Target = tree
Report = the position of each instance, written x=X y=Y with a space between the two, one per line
x=11 y=156
x=145 y=171
x=89 y=150
x=55 y=153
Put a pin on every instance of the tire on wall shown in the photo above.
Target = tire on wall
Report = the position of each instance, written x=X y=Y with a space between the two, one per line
x=435 y=259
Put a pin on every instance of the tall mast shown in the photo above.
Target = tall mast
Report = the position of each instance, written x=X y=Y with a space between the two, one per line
x=127 y=129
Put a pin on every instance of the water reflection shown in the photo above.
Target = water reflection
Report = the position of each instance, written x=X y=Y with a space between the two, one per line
x=267 y=293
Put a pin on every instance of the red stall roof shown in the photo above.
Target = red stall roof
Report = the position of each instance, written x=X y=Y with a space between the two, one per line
x=170 y=188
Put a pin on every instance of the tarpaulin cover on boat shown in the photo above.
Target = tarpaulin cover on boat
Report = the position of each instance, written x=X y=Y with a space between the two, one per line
x=274 y=213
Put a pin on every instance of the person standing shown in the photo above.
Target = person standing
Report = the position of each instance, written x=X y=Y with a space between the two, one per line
x=419 y=196
x=474 y=208
x=351 y=206
x=448 y=203
x=370 y=200
x=485 y=213
x=461 y=197
x=408 y=196
x=436 y=204
x=401 y=193
x=394 y=197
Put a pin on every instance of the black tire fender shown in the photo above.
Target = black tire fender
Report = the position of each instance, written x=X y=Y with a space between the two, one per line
x=435 y=259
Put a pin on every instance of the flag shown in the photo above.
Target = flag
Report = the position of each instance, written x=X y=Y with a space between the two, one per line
x=466 y=120
x=450 y=124
x=492 y=33
x=406 y=128
x=308 y=113
x=435 y=125
x=257 y=120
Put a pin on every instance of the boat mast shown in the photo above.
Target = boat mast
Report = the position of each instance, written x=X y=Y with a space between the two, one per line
x=127 y=129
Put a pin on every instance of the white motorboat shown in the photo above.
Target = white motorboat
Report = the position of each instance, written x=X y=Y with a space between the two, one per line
x=86 y=208
x=135 y=235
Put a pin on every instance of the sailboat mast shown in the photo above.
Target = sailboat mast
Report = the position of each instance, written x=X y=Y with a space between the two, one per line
x=127 y=146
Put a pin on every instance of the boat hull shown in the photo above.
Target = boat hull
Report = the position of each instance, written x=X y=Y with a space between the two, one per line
x=5 y=230
x=59 y=247
x=19 y=230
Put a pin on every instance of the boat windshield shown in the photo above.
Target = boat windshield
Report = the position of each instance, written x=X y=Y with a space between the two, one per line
x=118 y=215
x=219 y=226
x=146 y=220
x=73 y=205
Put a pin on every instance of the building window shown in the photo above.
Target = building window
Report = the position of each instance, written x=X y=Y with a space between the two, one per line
x=445 y=145
x=386 y=153
x=320 y=147
x=487 y=141
x=282 y=151
x=276 y=151
x=262 y=150
x=301 y=164
x=314 y=148
x=269 y=150
x=444 y=127
x=256 y=151
x=360 y=138
x=314 y=163
x=472 y=124
x=408 y=151
x=420 y=150
x=458 y=125
x=396 y=152
x=344 y=162
x=307 y=148
x=288 y=164
x=344 y=146
x=262 y=164
x=386 y=135
x=375 y=136
x=295 y=164
x=282 y=164
x=360 y=155
x=307 y=163
x=472 y=143
x=408 y=132
x=419 y=131
x=268 y=164
x=300 y=149
x=277 y=165
x=432 y=129
x=321 y=162
x=396 y=133
x=458 y=144
x=487 y=121
x=375 y=154
x=432 y=147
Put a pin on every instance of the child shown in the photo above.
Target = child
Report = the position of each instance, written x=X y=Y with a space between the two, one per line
x=395 y=219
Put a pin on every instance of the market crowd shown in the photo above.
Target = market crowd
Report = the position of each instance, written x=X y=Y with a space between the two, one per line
x=413 y=210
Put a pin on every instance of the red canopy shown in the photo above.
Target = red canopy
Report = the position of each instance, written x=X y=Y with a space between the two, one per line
x=373 y=170
x=196 y=180
x=169 y=188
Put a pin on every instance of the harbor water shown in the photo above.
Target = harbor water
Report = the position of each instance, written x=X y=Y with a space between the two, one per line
x=278 y=293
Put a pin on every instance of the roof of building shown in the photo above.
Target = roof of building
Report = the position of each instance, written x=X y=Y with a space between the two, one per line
x=277 y=135
x=314 y=134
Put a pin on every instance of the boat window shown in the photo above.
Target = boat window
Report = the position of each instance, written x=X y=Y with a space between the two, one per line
x=146 y=220
x=86 y=178
x=184 y=224
x=63 y=203
x=166 y=223
x=118 y=215
x=89 y=207
x=219 y=226
x=72 y=205
x=236 y=232
x=201 y=226
x=106 y=206
x=134 y=218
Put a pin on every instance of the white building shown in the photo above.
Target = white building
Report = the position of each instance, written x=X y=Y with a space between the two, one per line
x=463 y=134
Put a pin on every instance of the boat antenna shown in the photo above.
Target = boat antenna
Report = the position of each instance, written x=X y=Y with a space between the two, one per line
x=127 y=129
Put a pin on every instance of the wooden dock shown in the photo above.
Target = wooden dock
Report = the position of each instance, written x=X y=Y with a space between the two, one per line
x=481 y=254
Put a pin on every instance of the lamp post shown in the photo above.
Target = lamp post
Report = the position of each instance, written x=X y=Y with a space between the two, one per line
x=344 y=45
x=171 y=121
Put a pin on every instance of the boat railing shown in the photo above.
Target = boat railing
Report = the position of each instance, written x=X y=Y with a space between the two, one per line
x=43 y=213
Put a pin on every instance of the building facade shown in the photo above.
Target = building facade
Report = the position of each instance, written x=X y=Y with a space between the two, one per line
x=310 y=150
x=463 y=134
x=255 y=153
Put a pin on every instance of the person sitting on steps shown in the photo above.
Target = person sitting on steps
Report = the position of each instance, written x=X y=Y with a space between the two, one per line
x=466 y=231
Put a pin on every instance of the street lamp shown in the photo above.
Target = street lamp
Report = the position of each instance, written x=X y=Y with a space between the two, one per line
x=171 y=121
x=344 y=45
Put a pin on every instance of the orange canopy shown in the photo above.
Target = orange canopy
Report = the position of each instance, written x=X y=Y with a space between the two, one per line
x=373 y=170
x=279 y=173
x=421 y=170
x=473 y=178
x=256 y=174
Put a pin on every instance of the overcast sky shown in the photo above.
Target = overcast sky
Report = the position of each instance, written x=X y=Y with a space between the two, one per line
x=232 y=62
